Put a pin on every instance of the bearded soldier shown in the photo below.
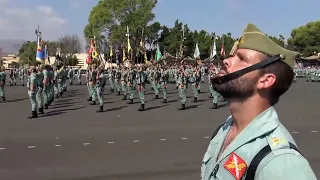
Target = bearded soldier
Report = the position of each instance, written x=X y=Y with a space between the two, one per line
x=252 y=143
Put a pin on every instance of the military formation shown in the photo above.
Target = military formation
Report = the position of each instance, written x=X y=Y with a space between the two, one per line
x=46 y=82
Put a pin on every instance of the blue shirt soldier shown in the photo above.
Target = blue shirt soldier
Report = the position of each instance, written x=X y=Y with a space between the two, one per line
x=252 y=144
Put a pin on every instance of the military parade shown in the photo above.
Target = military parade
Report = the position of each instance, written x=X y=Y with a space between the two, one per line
x=148 y=102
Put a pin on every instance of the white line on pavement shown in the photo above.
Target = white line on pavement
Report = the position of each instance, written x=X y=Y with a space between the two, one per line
x=184 y=138
x=163 y=139
x=86 y=144
x=110 y=142
x=314 y=131
x=136 y=141
x=57 y=145
x=206 y=137
x=30 y=147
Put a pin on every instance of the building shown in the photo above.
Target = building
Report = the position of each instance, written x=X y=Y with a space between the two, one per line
x=10 y=61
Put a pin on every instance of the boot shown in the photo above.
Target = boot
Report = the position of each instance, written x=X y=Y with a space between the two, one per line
x=61 y=93
x=183 y=107
x=93 y=103
x=141 y=108
x=40 y=111
x=215 y=106
x=100 y=109
x=124 y=97
x=33 y=115
x=177 y=87
x=195 y=99
x=157 y=97
x=111 y=90
x=89 y=99
x=22 y=85
x=130 y=101
x=210 y=97
x=3 y=99
x=164 y=101
x=45 y=106
x=118 y=93
x=199 y=91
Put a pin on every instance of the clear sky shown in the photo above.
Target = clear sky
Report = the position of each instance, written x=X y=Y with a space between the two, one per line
x=19 y=18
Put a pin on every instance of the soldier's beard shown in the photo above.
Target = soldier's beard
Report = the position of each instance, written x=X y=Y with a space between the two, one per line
x=240 y=88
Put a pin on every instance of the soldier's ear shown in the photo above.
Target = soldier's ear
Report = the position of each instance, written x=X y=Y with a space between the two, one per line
x=266 y=81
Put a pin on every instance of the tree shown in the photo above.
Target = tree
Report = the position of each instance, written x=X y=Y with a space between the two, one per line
x=306 y=39
x=152 y=34
x=27 y=52
x=111 y=18
x=70 y=44
x=280 y=41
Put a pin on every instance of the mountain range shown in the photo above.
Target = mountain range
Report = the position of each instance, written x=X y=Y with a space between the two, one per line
x=10 y=46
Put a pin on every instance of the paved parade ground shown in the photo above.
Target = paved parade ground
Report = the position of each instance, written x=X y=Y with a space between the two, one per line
x=73 y=142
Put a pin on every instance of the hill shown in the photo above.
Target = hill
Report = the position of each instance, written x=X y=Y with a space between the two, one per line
x=10 y=46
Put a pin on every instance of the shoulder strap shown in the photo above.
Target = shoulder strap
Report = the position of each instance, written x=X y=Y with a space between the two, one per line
x=251 y=172
x=216 y=131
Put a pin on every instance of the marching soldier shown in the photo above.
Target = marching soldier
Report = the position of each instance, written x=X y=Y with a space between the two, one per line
x=39 y=95
x=118 y=79
x=183 y=80
x=252 y=143
x=32 y=91
x=22 y=74
x=124 y=82
x=214 y=94
x=141 y=77
x=92 y=82
x=100 y=82
x=131 y=79
x=79 y=75
x=2 y=83
x=46 y=86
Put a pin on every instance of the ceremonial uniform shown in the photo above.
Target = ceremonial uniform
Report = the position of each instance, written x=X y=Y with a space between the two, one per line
x=264 y=149
x=2 y=83
x=99 y=86
x=214 y=94
x=32 y=92
x=183 y=80
x=141 y=77
x=39 y=96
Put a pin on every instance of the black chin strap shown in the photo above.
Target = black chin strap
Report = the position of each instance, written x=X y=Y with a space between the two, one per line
x=237 y=74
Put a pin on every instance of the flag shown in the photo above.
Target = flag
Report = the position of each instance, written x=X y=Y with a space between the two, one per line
x=111 y=51
x=45 y=54
x=128 y=37
x=223 y=51
x=213 y=51
x=145 y=58
x=90 y=51
x=39 y=55
x=158 y=54
x=196 y=53
x=124 y=58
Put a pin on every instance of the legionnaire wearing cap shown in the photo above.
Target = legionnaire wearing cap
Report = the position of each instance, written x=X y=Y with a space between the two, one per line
x=99 y=86
x=40 y=99
x=92 y=82
x=252 y=143
x=2 y=83
x=141 y=78
x=32 y=85
x=183 y=83
x=212 y=73
x=46 y=86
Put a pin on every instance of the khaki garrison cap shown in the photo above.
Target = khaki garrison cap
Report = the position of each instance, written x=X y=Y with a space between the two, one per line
x=252 y=38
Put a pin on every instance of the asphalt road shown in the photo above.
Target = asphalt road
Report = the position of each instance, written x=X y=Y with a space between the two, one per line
x=73 y=142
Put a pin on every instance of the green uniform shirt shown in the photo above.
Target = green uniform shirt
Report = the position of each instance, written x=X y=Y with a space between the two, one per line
x=282 y=163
